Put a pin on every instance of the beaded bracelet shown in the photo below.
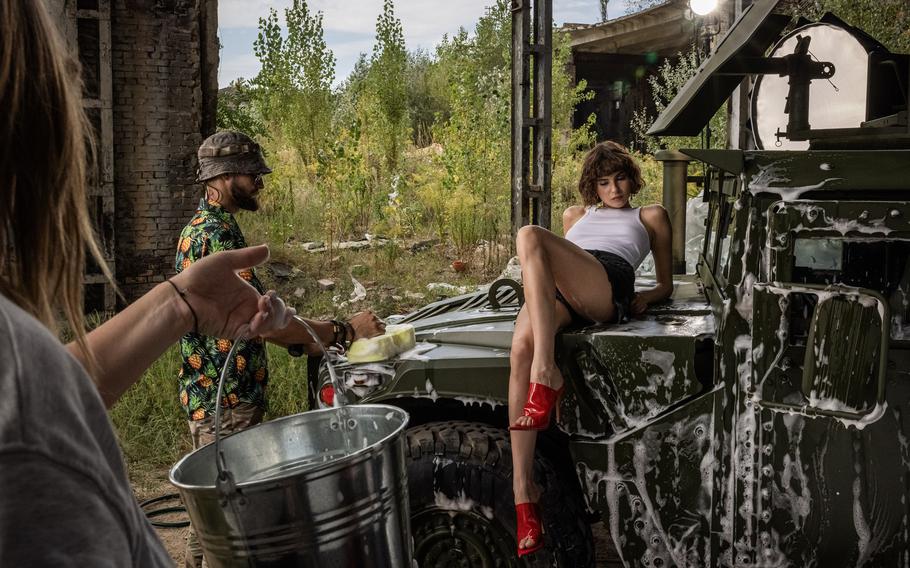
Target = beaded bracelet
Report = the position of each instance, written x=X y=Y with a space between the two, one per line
x=343 y=334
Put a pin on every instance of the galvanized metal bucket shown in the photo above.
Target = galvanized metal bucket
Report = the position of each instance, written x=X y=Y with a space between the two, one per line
x=323 y=488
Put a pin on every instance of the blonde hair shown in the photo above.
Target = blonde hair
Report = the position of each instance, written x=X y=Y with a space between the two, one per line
x=45 y=153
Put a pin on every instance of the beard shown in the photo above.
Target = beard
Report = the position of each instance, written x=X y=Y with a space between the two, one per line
x=244 y=201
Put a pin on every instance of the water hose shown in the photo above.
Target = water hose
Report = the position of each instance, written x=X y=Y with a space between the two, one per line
x=152 y=513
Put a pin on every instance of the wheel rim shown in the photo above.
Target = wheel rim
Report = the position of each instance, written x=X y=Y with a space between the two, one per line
x=460 y=539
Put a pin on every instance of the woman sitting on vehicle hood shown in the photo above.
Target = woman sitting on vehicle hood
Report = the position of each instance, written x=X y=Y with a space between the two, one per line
x=584 y=278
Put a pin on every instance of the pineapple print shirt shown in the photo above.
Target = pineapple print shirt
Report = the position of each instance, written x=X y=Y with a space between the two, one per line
x=213 y=229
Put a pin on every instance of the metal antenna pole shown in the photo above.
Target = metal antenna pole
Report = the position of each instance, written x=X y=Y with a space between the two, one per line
x=531 y=196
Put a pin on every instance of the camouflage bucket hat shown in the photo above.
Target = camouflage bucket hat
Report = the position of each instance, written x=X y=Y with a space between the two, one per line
x=230 y=152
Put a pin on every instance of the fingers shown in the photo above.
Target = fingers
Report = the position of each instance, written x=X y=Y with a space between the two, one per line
x=272 y=314
x=259 y=324
x=281 y=312
x=244 y=258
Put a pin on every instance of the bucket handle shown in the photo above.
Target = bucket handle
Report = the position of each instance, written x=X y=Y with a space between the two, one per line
x=339 y=390
x=228 y=494
x=223 y=472
x=224 y=476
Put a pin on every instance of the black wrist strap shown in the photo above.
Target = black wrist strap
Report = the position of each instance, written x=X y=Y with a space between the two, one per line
x=182 y=293
x=348 y=333
x=337 y=333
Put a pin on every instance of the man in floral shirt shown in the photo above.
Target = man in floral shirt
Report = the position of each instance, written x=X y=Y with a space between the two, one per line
x=214 y=229
x=231 y=167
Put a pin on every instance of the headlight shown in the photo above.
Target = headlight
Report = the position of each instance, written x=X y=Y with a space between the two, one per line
x=363 y=379
x=358 y=380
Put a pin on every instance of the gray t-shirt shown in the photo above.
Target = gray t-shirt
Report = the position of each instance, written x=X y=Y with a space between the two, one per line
x=64 y=495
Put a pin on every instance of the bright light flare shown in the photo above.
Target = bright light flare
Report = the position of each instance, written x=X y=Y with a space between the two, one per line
x=702 y=7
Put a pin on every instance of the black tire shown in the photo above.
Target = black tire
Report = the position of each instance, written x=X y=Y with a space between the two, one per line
x=462 y=509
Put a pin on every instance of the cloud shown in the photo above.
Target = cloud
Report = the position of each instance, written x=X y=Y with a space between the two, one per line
x=234 y=14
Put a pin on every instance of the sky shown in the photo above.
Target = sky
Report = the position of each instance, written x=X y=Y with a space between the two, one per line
x=350 y=26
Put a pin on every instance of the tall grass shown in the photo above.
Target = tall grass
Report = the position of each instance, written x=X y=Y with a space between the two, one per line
x=152 y=427
x=148 y=418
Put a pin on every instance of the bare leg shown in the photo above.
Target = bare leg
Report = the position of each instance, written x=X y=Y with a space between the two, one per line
x=524 y=442
x=549 y=262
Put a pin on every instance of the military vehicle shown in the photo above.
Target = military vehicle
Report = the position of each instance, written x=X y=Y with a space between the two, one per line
x=761 y=417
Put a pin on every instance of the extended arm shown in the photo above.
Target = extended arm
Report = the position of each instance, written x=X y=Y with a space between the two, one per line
x=125 y=345
x=657 y=222
x=363 y=325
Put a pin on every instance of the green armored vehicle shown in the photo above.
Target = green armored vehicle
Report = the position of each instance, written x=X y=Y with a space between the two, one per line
x=761 y=417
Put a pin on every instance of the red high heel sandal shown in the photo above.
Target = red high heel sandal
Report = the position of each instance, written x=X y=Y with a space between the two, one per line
x=528 y=527
x=541 y=400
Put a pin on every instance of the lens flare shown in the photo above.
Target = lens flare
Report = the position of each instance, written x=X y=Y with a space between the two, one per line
x=702 y=7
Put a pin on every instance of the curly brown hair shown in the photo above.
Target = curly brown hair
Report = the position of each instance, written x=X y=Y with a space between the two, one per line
x=607 y=158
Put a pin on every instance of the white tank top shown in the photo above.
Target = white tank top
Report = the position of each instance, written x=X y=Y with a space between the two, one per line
x=619 y=231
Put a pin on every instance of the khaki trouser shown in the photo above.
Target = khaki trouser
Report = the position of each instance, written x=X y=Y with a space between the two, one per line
x=242 y=416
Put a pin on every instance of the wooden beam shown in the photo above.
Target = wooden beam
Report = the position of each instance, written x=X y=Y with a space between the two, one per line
x=674 y=36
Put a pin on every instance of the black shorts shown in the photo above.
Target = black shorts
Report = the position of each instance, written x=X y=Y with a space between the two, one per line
x=622 y=278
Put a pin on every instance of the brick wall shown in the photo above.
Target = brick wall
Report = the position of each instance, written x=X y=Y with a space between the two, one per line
x=164 y=60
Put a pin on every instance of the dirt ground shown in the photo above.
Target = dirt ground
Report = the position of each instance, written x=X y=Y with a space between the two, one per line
x=154 y=485
x=175 y=538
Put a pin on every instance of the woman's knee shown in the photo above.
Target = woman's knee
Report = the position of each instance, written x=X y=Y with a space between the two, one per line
x=529 y=237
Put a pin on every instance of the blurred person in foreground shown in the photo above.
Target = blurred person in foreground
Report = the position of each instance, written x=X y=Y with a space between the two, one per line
x=65 y=499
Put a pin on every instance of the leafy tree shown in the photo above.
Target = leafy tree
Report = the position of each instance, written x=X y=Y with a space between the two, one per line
x=360 y=170
x=294 y=86
x=888 y=21
x=387 y=82
x=237 y=110
x=348 y=94
x=567 y=143
x=670 y=78
x=476 y=138
x=427 y=97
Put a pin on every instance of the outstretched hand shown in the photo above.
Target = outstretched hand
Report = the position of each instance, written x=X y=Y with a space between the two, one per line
x=224 y=303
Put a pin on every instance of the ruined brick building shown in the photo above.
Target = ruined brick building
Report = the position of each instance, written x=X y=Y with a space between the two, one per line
x=150 y=69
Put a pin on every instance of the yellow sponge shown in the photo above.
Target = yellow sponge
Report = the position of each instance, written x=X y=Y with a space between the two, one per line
x=403 y=336
x=396 y=339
